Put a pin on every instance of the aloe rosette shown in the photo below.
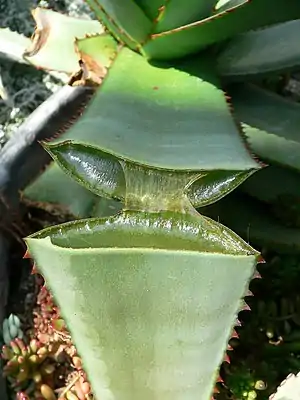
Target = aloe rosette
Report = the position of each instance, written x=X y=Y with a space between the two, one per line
x=151 y=294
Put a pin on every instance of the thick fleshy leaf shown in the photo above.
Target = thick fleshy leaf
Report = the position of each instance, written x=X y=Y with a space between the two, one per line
x=254 y=222
x=223 y=5
x=163 y=117
x=99 y=172
x=175 y=13
x=241 y=17
x=271 y=124
x=103 y=174
x=214 y=185
x=272 y=184
x=289 y=389
x=97 y=53
x=138 y=304
x=12 y=45
x=124 y=19
x=52 y=46
x=272 y=49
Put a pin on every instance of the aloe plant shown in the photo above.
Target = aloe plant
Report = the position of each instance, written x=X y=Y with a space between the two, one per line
x=151 y=294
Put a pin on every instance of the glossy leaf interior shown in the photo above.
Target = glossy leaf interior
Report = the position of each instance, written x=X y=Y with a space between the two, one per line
x=104 y=175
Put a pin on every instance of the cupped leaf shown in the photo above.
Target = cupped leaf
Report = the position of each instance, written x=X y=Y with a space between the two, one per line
x=52 y=45
x=241 y=17
x=271 y=124
x=214 y=185
x=99 y=172
x=164 y=117
x=103 y=174
x=124 y=19
x=137 y=298
x=254 y=222
x=164 y=230
x=272 y=49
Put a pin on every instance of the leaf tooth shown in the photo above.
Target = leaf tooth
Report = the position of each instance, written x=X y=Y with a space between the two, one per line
x=226 y=358
x=238 y=322
x=229 y=348
x=234 y=334
x=261 y=260
x=34 y=269
x=245 y=306
x=220 y=380
x=249 y=293
x=27 y=254
x=256 y=275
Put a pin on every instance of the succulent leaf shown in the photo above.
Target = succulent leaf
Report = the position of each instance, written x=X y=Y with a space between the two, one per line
x=289 y=389
x=55 y=36
x=97 y=268
x=124 y=19
x=272 y=49
x=165 y=117
x=12 y=45
x=103 y=174
x=241 y=17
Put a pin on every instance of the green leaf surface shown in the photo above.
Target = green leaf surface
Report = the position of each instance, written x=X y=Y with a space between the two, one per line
x=12 y=45
x=254 y=222
x=223 y=5
x=102 y=49
x=240 y=18
x=138 y=310
x=163 y=117
x=99 y=172
x=178 y=13
x=214 y=185
x=55 y=188
x=125 y=20
x=55 y=36
x=272 y=49
x=271 y=124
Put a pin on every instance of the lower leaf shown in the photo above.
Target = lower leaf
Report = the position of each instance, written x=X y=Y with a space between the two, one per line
x=150 y=309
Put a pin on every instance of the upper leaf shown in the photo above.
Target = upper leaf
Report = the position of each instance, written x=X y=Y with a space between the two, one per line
x=271 y=49
x=164 y=117
x=124 y=19
x=52 y=45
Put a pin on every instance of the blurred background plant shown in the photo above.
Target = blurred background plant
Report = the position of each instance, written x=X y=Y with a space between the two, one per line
x=23 y=88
